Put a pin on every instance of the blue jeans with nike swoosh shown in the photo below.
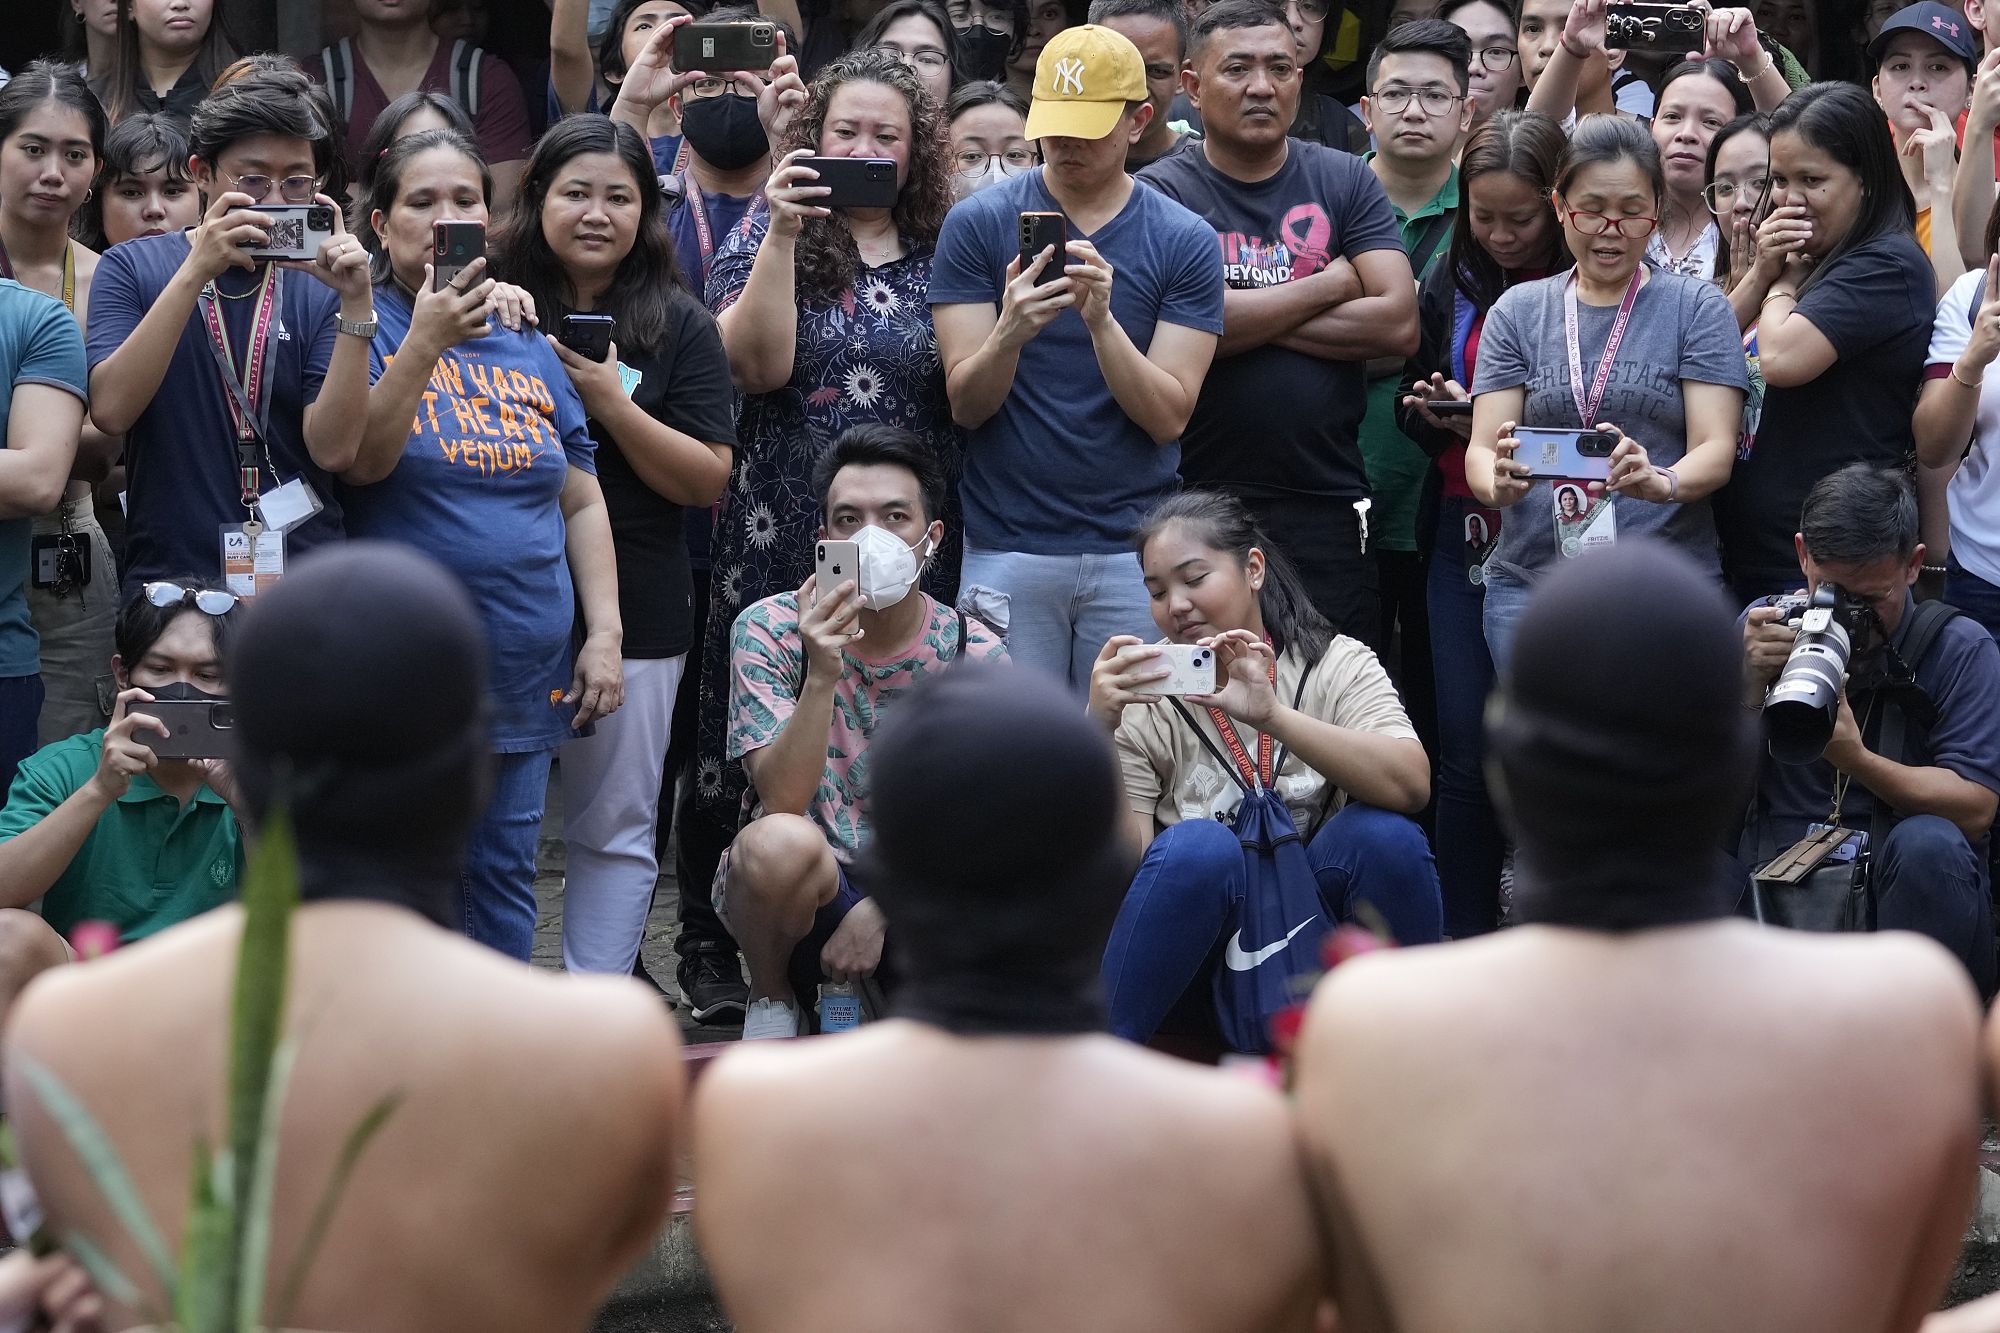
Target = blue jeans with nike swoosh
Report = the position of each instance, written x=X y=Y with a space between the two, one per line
x=1169 y=930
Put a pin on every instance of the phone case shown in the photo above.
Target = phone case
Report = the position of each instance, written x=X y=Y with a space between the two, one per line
x=454 y=245
x=1039 y=231
x=198 y=728
x=297 y=230
x=856 y=182
x=725 y=46
x=1566 y=455
x=586 y=335
x=1649 y=27
x=1193 y=667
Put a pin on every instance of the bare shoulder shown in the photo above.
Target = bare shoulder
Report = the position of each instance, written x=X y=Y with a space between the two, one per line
x=167 y=971
x=757 y=1086
x=1903 y=986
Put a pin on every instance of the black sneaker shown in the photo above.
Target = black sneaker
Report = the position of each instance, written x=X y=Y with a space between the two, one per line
x=713 y=986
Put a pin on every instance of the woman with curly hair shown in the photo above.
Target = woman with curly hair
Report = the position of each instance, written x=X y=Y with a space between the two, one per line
x=825 y=315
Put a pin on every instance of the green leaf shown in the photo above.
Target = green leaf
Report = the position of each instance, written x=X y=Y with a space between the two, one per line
x=109 y=1280
x=201 y=1300
x=255 y=1231
x=270 y=891
x=94 y=1149
x=329 y=1201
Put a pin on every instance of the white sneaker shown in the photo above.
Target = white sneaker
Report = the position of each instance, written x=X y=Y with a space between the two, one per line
x=767 y=1019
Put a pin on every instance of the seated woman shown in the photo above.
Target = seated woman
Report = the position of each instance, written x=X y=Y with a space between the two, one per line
x=1351 y=773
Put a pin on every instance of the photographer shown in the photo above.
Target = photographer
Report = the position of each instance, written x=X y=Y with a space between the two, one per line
x=98 y=826
x=1938 y=791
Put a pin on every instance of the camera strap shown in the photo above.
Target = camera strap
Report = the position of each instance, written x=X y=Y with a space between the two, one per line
x=248 y=397
x=1587 y=404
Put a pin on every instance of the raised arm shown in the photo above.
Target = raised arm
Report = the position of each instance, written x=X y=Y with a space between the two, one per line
x=337 y=417
x=572 y=68
x=440 y=320
x=760 y=329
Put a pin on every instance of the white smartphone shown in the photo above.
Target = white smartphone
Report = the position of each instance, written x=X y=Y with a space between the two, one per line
x=834 y=563
x=1193 y=669
x=297 y=230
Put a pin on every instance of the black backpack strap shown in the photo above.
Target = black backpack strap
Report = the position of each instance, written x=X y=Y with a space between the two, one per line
x=338 y=60
x=1228 y=764
x=465 y=76
x=1927 y=622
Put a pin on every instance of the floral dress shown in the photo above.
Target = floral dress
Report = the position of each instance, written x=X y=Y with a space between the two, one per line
x=869 y=355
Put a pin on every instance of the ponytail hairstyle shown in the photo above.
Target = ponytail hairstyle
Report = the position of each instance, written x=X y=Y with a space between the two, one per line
x=1523 y=144
x=1221 y=523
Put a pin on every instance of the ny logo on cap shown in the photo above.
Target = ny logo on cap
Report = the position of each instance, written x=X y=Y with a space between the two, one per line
x=1069 y=78
x=1942 y=25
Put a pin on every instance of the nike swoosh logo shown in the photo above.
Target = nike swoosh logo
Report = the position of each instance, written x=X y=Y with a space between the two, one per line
x=1236 y=960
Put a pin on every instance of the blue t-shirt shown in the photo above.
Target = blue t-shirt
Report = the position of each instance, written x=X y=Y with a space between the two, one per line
x=39 y=344
x=724 y=212
x=1060 y=469
x=182 y=482
x=1961 y=674
x=479 y=489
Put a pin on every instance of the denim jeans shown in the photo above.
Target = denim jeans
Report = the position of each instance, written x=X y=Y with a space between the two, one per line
x=1057 y=610
x=1972 y=595
x=1929 y=879
x=1505 y=603
x=499 y=874
x=20 y=707
x=1469 y=844
x=1175 y=913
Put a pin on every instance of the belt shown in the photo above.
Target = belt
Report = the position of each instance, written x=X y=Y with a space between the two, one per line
x=81 y=513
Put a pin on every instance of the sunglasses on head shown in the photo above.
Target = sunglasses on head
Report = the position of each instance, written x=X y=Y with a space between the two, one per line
x=209 y=601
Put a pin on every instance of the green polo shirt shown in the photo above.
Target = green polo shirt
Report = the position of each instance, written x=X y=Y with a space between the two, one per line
x=150 y=862
x=1396 y=466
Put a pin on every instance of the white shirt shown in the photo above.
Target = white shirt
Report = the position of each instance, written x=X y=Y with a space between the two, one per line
x=1973 y=499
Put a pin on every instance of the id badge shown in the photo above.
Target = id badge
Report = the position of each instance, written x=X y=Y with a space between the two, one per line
x=1853 y=843
x=253 y=558
x=1581 y=522
x=46 y=571
x=288 y=506
x=1482 y=536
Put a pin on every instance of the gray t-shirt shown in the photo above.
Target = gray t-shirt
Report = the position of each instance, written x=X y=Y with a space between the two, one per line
x=1681 y=329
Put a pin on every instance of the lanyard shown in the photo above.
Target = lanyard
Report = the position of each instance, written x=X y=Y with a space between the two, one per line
x=704 y=236
x=69 y=273
x=1262 y=775
x=1586 y=408
x=248 y=404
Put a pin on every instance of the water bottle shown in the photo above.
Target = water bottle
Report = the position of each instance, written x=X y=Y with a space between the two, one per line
x=839 y=1008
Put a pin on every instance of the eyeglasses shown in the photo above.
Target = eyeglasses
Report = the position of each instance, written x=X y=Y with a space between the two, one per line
x=1496 y=58
x=292 y=189
x=1395 y=101
x=1597 y=224
x=1312 y=11
x=927 y=59
x=972 y=162
x=209 y=601
x=1721 y=196
x=996 y=20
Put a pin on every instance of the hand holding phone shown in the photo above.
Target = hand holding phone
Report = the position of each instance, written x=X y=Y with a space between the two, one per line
x=1039 y=231
x=854 y=182
x=588 y=335
x=454 y=245
x=1566 y=455
x=722 y=47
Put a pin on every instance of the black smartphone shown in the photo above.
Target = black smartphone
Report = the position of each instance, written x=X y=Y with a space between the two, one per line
x=1039 y=231
x=1643 y=27
x=589 y=336
x=454 y=245
x=1450 y=407
x=856 y=182
x=725 y=46
x=196 y=728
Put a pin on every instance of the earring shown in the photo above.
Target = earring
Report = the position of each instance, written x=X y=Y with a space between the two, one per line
x=89 y=194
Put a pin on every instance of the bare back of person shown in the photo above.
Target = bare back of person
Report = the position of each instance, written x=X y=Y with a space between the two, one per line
x=528 y=1161
x=905 y=1180
x=1715 y=1126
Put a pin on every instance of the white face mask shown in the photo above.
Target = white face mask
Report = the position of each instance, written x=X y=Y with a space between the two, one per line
x=888 y=570
x=964 y=186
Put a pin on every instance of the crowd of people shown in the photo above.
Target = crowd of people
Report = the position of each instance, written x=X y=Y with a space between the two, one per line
x=1321 y=406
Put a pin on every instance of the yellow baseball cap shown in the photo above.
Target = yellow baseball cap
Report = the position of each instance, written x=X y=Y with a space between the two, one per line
x=1083 y=81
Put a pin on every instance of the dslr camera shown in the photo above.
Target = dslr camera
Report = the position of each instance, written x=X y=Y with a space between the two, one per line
x=1804 y=701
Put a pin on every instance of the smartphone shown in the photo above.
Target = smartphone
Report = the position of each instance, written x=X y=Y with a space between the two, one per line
x=589 y=336
x=196 y=728
x=1193 y=669
x=725 y=46
x=297 y=230
x=1450 y=407
x=1039 y=231
x=1642 y=27
x=454 y=245
x=857 y=182
x=834 y=563
x=1566 y=455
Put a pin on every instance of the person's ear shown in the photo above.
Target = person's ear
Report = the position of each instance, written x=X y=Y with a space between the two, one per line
x=1799 y=546
x=1255 y=569
x=1368 y=113
x=1465 y=111
x=1915 y=567
x=119 y=675
x=201 y=173
x=380 y=224
x=1140 y=120
x=1191 y=85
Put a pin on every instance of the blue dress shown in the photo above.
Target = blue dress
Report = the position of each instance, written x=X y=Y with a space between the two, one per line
x=868 y=355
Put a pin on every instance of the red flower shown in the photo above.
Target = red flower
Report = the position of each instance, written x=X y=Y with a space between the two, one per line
x=1350 y=941
x=92 y=939
x=1285 y=1025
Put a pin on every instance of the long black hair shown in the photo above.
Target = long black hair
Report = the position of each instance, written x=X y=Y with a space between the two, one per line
x=1524 y=144
x=388 y=183
x=931 y=12
x=118 y=87
x=1222 y=523
x=47 y=81
x=1844 y=123
x=1754 y=123
x=389 y=126
x=642 y=294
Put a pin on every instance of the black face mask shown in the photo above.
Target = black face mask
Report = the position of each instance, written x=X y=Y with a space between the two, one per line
x=984 y=51
x=182 y=691
x=724 y=130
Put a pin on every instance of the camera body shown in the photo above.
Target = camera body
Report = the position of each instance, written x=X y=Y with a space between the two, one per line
x=1653 y=27
x=1804 y=701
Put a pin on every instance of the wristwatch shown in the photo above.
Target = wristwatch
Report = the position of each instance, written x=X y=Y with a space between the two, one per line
x=358 y=328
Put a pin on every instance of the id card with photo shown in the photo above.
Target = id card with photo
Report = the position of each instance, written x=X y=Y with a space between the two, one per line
x=252 y=562
x=1482 y=536
x=1583 y=522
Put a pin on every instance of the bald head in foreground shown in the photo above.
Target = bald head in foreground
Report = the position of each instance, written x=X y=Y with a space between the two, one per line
x=1637 y=1112
x=531 y=1157
x=989 y=1158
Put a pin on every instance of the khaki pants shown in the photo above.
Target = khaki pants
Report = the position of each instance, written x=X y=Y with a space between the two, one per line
x=75 y=631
